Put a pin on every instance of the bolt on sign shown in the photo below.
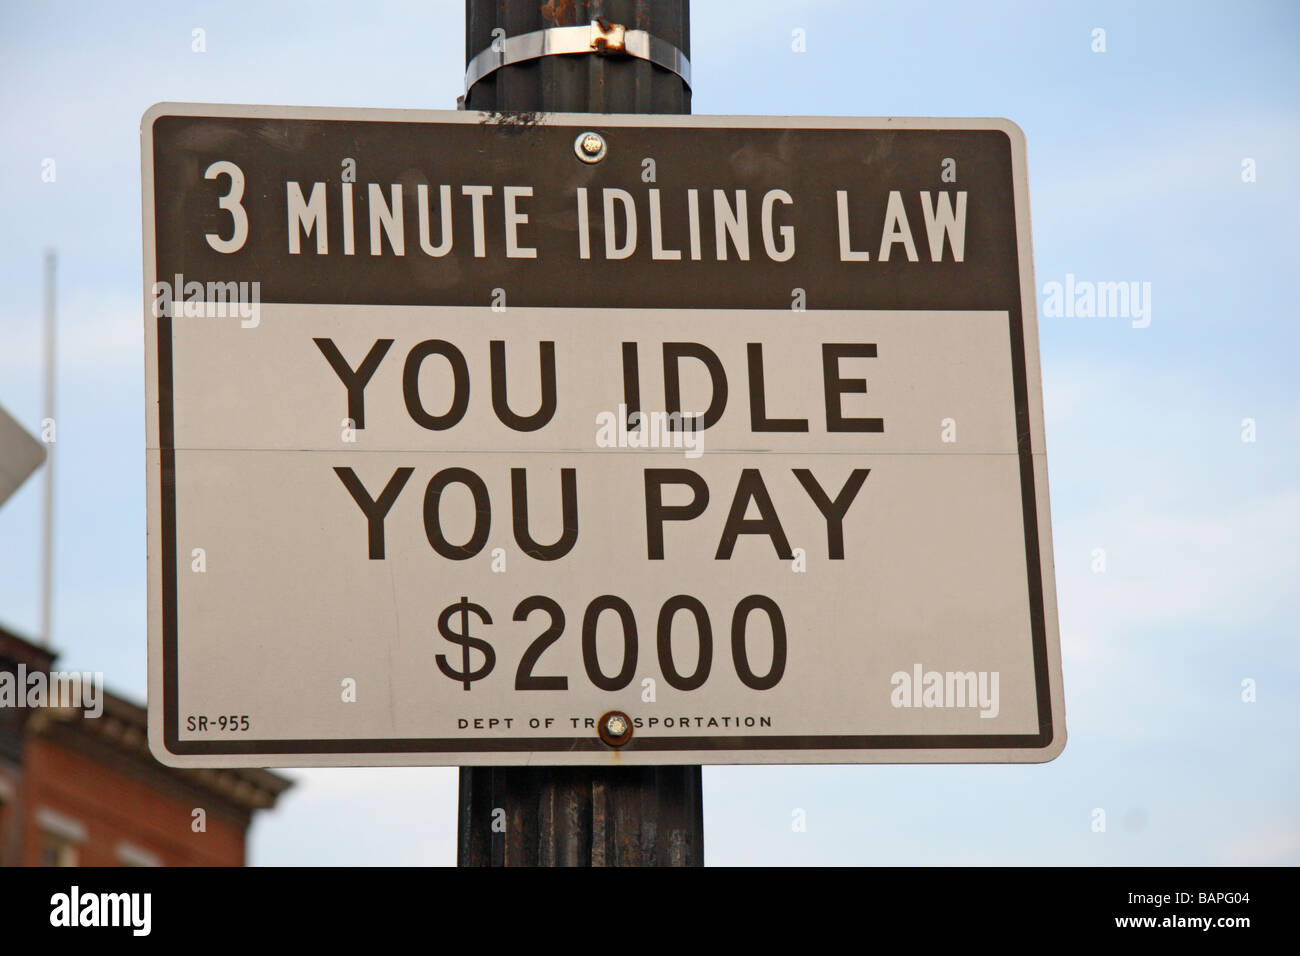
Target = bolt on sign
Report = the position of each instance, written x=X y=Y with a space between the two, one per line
x=574 y=439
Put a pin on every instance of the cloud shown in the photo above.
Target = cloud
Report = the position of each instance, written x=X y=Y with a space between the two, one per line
x=1232 y=563
x=1192 y=159
x=94 y=336
x=1061 y=399
x=1279 y=845
x=399 y=816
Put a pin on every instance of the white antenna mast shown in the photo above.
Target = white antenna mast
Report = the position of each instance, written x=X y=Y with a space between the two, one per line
x=48 y=429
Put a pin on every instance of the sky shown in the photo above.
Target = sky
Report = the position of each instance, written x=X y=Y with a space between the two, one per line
x=1167 y=158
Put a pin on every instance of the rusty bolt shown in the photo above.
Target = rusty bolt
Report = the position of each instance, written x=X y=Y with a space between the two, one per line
x=590 y=147
x=615 y=728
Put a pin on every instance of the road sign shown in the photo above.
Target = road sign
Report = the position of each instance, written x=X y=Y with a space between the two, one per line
x=20 y=455
x=593 y=439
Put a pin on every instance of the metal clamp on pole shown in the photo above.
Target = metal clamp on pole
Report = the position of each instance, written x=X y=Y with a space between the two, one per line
x=599 y=37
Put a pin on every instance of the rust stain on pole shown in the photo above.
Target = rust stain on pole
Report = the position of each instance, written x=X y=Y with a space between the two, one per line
x=582 y=83
x=559 y=12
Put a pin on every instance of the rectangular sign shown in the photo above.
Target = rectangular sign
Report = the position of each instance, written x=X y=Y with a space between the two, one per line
x=726 y=447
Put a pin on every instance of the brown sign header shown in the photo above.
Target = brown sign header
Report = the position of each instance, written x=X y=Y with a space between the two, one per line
x=396 y=213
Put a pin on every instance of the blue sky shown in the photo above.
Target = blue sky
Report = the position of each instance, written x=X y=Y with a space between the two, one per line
x=1135 y=165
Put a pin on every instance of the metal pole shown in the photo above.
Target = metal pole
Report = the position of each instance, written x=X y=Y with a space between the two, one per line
x=580 y=816
x=48 y=434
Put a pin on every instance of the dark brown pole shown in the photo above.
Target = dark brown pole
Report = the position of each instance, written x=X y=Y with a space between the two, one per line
x=580 y=816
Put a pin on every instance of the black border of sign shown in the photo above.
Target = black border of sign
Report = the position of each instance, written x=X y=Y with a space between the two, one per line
x=435 y=746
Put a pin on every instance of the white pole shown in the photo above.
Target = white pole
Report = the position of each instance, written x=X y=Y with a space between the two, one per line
x=47 y=428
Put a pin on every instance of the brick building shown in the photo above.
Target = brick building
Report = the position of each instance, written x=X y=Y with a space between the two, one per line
x=83 y=791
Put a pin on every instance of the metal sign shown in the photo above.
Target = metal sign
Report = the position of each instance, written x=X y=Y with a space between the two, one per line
x=578 y=439
x=20 y=455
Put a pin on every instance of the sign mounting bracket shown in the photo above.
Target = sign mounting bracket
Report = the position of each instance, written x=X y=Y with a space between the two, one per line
x=600 y=37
